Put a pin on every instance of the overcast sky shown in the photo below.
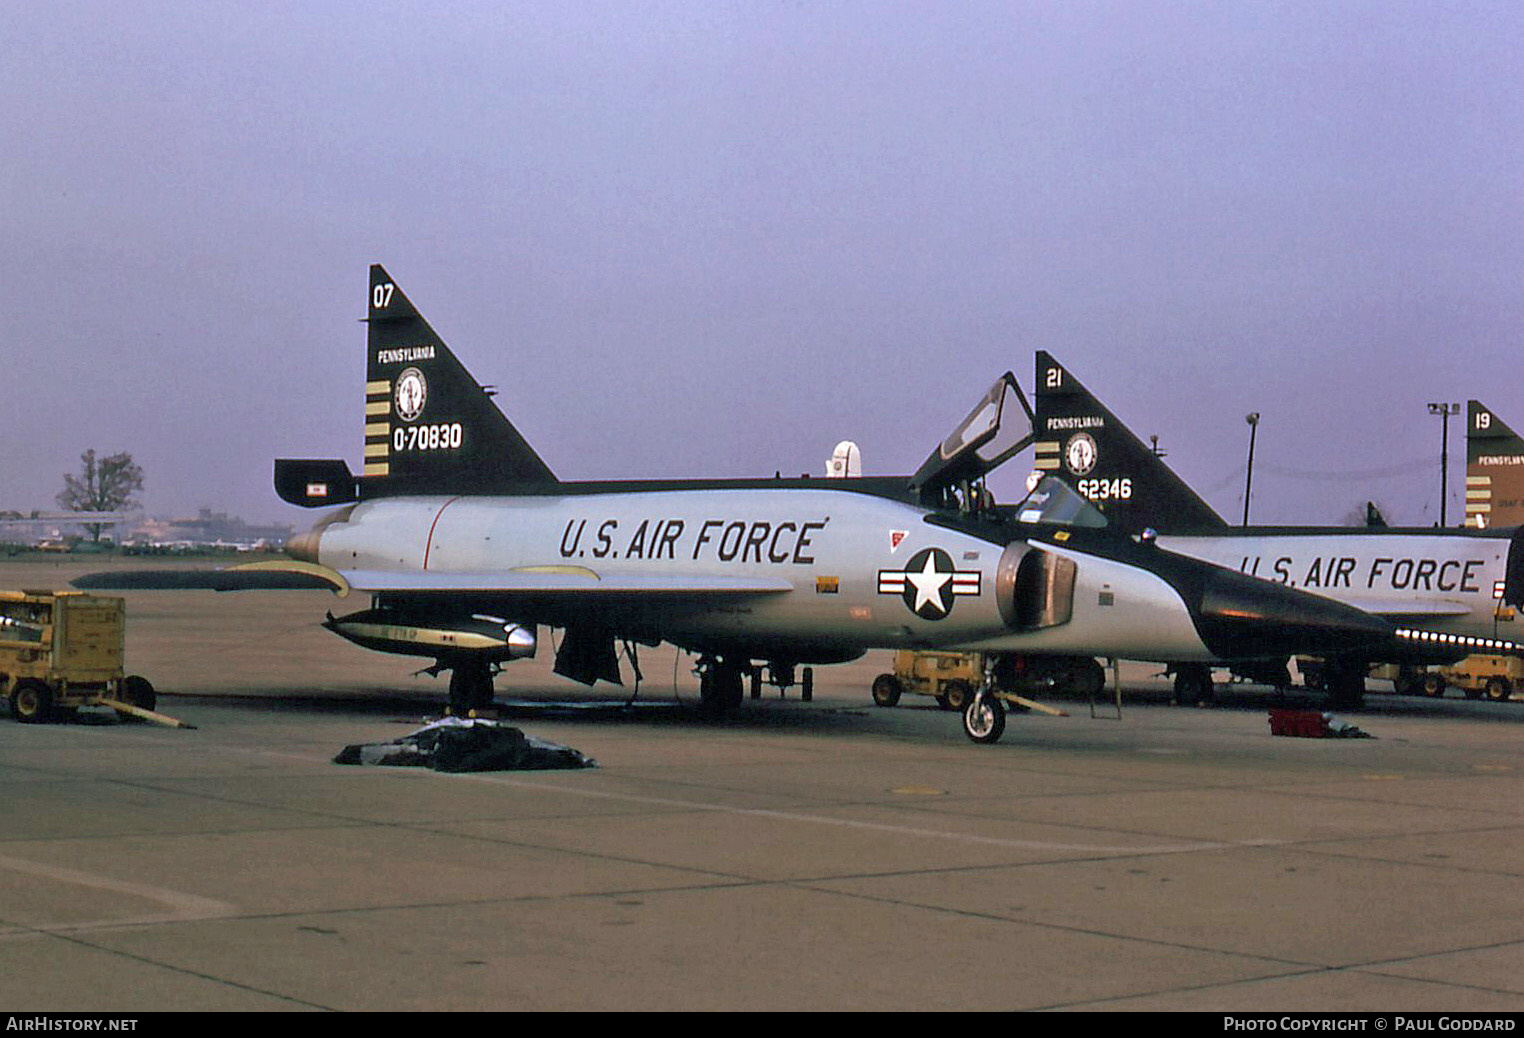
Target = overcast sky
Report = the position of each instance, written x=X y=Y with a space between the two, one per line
x=691 y=239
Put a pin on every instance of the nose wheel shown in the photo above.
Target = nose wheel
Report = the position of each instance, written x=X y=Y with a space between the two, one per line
x=984 y=717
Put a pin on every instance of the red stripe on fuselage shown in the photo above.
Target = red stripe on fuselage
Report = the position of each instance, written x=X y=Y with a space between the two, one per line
x=429 y=542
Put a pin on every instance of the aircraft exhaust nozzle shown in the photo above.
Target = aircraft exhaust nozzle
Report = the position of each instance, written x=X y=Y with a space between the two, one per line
x=304 y=546
x=1242 y=617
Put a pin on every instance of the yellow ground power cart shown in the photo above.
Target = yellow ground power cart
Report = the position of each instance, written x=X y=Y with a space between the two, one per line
x=61 y=650
x=1495 y=677
x=950 y=677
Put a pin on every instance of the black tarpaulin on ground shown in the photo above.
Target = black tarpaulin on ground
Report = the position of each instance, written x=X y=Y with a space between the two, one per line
x=456 y=744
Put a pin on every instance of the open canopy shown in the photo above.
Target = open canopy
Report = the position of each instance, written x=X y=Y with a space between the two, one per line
x=992 y=432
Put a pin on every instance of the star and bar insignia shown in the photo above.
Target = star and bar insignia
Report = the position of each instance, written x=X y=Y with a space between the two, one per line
x=929 y=583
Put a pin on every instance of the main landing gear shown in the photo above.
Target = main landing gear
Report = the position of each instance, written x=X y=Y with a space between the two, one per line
x=470 y=687
x=1193 y=684
x=720 y=686
x=722 y=683
x=1345 y=682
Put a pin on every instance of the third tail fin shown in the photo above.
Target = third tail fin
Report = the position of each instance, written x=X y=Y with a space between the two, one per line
x=1494 y=470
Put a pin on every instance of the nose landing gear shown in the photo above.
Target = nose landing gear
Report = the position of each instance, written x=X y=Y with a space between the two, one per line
x=984 y=713
x=984 y=717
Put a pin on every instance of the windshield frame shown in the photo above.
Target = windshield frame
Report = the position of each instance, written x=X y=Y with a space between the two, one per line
x=975 y=447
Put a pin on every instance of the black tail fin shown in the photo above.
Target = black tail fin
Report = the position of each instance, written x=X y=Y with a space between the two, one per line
x=1494 y=470
x=1085 y=444
x=429 y=426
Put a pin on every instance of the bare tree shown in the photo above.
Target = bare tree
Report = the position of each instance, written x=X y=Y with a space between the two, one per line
x=103 y=485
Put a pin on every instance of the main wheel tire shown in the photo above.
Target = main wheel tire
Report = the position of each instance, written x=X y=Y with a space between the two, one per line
x=1346 y=688
x=887 y=690
x=1089 y=679
x=470 y=687
x=984 y=719
x=1193 y=684
x=32 y=701
x=734 y=686
x=721 y=690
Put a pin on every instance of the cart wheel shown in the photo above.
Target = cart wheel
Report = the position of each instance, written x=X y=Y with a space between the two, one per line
x=1432 y=685
x=1498 y=690
x=958 y=694
x=32 y=701
x=139 y=693
x=887 y=690
x=984 y=718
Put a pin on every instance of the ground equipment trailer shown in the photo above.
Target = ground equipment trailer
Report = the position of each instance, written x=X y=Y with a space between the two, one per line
x=63 y=650
x=952 y=677
x=1482 y=675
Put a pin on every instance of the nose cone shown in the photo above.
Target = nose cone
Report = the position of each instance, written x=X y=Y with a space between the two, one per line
x=1243 y=617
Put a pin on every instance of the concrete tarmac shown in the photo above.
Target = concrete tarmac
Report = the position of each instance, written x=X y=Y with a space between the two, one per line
x=820 y=856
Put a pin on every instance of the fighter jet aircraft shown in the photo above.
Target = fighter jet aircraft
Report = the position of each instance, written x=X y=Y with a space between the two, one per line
x=468 y=544
x=1447 y=591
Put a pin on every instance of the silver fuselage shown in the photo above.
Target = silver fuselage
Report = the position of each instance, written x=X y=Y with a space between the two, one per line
x=844 y=556
x=1434 y=581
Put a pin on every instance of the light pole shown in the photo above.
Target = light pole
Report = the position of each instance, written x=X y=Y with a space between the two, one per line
x=1253 y=420
x=1444 y=411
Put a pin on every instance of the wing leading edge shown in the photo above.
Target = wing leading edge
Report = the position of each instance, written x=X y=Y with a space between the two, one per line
x=577 y=581
x=565 y=580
